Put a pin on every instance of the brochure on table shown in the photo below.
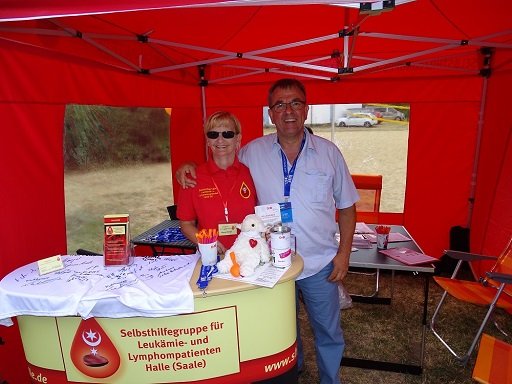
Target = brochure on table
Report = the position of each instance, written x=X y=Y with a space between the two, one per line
x=363 y=228
x=265 y=275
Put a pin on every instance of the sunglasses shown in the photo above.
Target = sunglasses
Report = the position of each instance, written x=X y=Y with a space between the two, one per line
x=225 y=134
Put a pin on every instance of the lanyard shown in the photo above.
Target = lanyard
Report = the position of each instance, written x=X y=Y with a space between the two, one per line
x=225 y=201
x=288 y=175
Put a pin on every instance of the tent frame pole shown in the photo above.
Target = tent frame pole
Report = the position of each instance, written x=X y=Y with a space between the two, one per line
x=203 y=82
x=486 y=71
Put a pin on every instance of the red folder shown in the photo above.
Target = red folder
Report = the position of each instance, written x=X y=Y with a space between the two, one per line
x=408 y=256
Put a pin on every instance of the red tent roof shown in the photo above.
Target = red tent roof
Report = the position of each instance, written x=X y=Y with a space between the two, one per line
x=251 y=43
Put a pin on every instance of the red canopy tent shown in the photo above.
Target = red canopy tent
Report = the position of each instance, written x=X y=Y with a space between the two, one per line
x=451 y=60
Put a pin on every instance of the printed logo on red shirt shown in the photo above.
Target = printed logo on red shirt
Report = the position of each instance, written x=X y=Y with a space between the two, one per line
x=245 y=192
x=208 y=193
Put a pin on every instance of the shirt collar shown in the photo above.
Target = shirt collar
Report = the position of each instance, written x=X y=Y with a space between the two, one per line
x=309 y=142
x=213 y=168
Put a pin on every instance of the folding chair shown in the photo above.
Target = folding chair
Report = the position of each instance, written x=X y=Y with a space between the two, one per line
x=493 y=362
x=492 y=290
x=369 y=188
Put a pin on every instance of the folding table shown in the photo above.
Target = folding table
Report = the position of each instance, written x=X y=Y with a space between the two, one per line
x=371 y=258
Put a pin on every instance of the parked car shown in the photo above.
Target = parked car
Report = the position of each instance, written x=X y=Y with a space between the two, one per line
x=388 y=113
x=377 y=114
x=357 y=120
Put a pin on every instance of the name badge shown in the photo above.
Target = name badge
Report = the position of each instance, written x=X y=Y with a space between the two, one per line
x=227 y=229
x=50 y=264
x=286 y=212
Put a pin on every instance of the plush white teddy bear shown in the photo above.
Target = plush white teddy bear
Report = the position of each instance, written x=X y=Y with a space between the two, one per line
x=249 y=249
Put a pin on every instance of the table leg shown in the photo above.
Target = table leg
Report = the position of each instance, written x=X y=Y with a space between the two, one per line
x=392 y=283
x=413 y=369
x=424 y=319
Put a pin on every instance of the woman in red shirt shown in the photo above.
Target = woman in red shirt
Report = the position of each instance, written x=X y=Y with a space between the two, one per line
x=224 y=193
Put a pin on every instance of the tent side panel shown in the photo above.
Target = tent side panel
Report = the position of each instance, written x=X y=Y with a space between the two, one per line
x=33 y=217
x=440 y=161
x=32 y=196
x=187 y=140
x=492 y=222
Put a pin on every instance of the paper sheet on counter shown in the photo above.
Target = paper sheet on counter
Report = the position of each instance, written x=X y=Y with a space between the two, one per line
x=265 y=275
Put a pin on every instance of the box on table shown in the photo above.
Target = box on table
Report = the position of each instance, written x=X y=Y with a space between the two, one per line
x=117 y=248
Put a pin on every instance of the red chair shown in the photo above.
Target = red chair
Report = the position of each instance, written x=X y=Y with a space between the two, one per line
x=493 y=289
x=493 y=362
x=369 y=188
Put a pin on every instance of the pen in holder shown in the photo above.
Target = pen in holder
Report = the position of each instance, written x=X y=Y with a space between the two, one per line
x=207 y=246
x=382 y=236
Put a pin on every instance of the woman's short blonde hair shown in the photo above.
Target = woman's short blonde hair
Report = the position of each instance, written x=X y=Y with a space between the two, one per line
x=222 y=118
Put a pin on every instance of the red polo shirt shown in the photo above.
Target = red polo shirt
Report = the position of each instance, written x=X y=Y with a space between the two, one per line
x=215 y=187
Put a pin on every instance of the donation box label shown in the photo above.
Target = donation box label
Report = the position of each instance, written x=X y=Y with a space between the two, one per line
x=188 y=347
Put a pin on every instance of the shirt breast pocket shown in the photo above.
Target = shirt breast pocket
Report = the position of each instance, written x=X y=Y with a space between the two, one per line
x=320 y=185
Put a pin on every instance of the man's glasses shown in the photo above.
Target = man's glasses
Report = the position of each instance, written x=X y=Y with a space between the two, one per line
x=225 y=134
x=281 y=107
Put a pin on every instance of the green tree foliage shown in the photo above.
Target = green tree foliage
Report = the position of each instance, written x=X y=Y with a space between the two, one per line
x=106 y=136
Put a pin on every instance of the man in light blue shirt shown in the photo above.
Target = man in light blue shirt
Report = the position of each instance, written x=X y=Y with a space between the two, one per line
x=320 y=183
x=309 y=178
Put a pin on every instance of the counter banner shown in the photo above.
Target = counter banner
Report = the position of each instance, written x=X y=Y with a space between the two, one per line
x=191 y=348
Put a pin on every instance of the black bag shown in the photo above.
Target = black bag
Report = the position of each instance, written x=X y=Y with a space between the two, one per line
x=459 y=241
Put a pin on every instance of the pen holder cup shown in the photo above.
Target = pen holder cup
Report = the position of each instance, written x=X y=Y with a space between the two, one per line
x=382 y=240
x=208 y=253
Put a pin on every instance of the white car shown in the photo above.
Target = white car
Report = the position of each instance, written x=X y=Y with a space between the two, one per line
x=357 y=120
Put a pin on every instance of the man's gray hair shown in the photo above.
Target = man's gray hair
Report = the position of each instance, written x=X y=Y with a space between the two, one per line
x=286 y=84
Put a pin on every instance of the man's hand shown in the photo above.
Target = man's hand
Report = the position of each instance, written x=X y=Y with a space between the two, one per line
x=186 y=175
x=340 y=268
x=346 y=224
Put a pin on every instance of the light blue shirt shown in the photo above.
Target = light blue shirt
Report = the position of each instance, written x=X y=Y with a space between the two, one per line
x=321 y=183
